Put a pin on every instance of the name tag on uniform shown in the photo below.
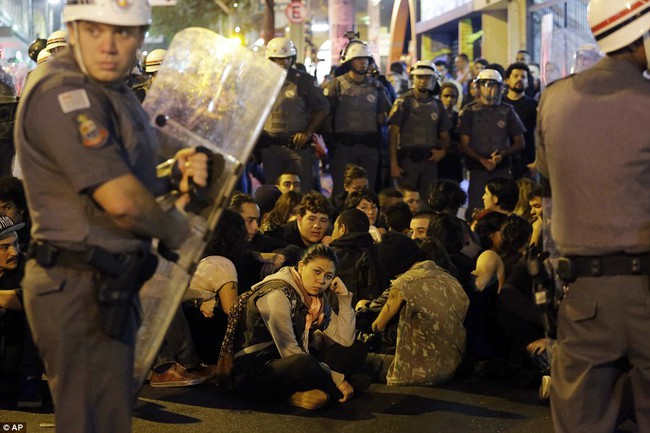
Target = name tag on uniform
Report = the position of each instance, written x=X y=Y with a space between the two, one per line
x=73 y=100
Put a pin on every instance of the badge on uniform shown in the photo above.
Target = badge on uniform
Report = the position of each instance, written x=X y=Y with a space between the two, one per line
x=501 y=124
x=91 y=134
x=370 y=98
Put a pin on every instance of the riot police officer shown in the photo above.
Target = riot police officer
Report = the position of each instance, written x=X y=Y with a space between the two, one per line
x=419 y=126
x=359 y=106
x=90 y=178
x=299 y=110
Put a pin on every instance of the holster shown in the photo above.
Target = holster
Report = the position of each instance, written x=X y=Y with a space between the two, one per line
x=116 y=292
x=122 y=276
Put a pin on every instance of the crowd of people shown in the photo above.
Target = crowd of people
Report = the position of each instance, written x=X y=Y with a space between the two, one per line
x=396 y=275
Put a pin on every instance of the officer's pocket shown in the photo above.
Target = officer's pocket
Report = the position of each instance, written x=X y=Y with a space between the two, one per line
x=578 y=310
x=40 y=281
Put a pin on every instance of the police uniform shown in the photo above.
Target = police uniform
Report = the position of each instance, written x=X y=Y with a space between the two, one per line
x=356 y=139
x=490 y=129
x=594 y=148
x=73 y=135
x=292 y=112
x=421 y=123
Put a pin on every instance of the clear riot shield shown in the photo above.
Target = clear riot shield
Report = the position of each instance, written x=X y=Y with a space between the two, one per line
x=214 y=93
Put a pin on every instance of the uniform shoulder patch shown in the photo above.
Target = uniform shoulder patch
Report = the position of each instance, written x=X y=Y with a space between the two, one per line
x=92 y=135
x=73 y=100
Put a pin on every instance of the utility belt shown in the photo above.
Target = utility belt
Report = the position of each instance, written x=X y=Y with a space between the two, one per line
x=48 y=255
x=370 y=139
x=123 y=276
x=416 y=153
x=267 y=141
x=572 y=267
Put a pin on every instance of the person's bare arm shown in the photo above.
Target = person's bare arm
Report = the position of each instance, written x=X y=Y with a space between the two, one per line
x=390 y=309
x=9 y=300
x=135 y=209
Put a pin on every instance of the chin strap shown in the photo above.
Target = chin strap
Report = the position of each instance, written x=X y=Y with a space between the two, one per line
x=77 y=49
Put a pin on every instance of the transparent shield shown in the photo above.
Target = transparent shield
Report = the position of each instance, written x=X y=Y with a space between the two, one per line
x=209 y=92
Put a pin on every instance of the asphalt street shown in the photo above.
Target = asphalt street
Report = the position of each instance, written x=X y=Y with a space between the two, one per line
x=459 y=407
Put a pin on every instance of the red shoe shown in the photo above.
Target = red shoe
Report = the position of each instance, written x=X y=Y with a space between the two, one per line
x=177 y=375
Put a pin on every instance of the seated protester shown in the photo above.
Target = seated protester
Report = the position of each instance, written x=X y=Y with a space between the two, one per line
x=266 y=249
x=541 y=236
x=367 y=202
x=485 y=339
x=14 y=205
x=411 y=197
x=525 y=186
x=19 y=354
x=355 y=178
x=490 y=270
x=178 y=363
x=501 y=195
x=450 y=232
x=434 y=250
x=398 y=218
x=420 y=224
x=285 y=210
x=447 y=196
x=515 y=238
x=389 y=196
x=356 y=254
x=311 y=225
x=520 y=318
x=287 y=330
x=265 y=197
x=246 y=206
x=288 y=181
x=394 y=258
x=215 y=284
x=430 y=333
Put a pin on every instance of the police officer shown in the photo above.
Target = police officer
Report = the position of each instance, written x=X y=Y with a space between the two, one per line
x=90 y=177
x=594 y=149
x=359 y=106
x=141 y=83
x=490 y=132
x=298 y=112
x=418 y=130
x=57 y=41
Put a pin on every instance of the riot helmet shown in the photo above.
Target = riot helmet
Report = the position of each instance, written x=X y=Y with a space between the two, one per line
x=43 y=57
x=153 y=60
x=36 y=47
x=58 y=39
x=281 y=51
x=356 y=49
x=429 y=75
x=490 y=87
x=280 y=48
x=118 y=13
x=618 y=23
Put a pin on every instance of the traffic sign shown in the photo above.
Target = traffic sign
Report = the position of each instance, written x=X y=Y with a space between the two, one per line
x=296 y=11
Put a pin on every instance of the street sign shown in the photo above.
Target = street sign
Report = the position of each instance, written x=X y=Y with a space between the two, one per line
x=296 y=11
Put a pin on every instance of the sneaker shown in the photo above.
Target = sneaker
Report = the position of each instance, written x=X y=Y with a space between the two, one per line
x=310 y=400
x=29 y=394
x=177 y=375
x=545 y=388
